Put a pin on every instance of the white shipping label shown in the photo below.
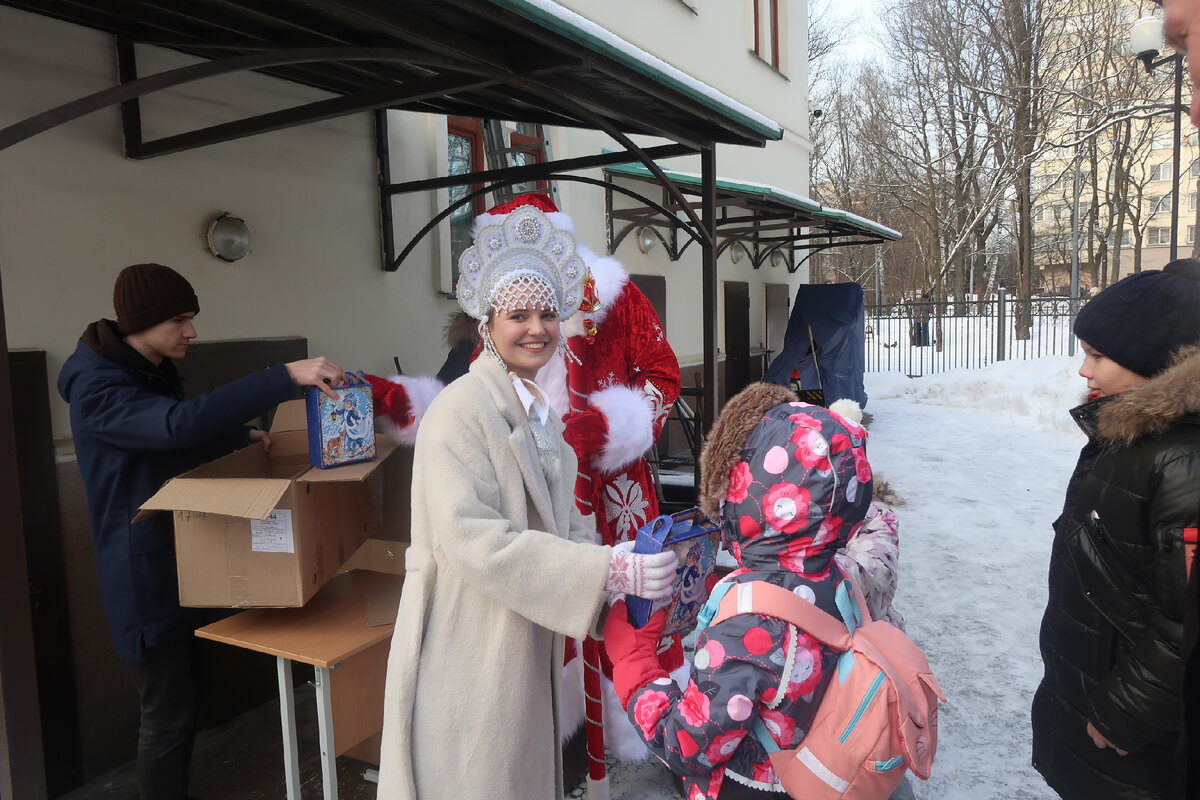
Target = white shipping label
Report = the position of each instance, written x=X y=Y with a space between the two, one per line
x=273 y=534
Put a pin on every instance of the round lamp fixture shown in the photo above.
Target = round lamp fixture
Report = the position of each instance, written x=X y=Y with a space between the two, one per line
x=645 y=239
x=779 y=259
x=228 y=238
x=1146 y=37
x=737 y=253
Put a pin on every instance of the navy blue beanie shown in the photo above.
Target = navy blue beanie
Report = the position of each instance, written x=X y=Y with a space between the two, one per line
x=1140 y=321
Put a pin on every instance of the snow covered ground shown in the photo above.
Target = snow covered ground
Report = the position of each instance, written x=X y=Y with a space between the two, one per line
x=982 y=458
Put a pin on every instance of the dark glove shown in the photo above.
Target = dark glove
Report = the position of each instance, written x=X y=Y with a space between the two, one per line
x=633 y=651
x=390 y=399
x=586 y=432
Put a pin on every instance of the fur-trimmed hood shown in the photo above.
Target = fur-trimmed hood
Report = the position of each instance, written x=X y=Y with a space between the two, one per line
x=1154 y=407
x=461 y=330
x=727 y=440
x=794 y=479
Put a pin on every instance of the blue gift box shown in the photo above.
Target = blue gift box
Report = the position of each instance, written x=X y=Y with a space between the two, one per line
x=695 y=540
x=342 y=431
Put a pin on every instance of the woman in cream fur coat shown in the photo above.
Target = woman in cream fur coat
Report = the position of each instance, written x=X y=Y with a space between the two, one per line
x=501 y=567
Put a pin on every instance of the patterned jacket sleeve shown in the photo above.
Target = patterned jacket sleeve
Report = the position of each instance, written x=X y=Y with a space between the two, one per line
x=872 y=554
x=703 y=727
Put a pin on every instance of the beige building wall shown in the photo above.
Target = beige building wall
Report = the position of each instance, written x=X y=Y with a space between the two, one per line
x=713 y=42
x=74 y=210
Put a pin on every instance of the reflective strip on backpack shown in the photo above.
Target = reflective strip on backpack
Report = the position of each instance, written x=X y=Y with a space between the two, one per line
x=745 y=598
x=808 y=759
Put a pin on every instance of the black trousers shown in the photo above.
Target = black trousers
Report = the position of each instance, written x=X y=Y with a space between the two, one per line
x=166 y=683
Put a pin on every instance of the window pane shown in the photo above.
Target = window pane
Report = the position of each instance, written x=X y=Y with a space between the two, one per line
x=460 y=161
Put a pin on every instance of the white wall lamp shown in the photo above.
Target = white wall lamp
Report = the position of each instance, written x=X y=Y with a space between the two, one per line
x=779 y=259
x=737 y=253
x=228 y=237
x=646 y=239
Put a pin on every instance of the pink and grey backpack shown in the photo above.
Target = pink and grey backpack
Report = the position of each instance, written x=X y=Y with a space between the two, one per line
x=879 y=714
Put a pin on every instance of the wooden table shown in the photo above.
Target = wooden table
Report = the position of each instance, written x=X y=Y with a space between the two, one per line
x=349 y=658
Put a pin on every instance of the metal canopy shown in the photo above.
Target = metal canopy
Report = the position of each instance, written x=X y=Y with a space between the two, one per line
x=767 y=221
x=518 y=60
x=496 y=59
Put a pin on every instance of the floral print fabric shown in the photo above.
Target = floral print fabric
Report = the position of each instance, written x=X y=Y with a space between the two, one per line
x=800 y=492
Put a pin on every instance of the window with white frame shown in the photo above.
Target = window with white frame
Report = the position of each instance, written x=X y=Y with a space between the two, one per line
x=1158 y=203
x=1158 y=236
x=1161 y=171
x=1191 y=234
x=1164 y=140
x=1192 y=201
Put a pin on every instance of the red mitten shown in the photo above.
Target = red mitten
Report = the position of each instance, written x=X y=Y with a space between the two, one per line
x=586 y=432
x=390 y=399
x=633 y=651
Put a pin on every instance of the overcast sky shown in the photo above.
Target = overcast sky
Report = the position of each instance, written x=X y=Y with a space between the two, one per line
x=863 y=16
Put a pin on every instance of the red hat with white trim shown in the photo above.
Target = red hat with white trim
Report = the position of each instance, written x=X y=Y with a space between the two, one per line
x=540 y=201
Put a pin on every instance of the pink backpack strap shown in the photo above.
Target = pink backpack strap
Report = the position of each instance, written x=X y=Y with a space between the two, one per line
x=760 y=597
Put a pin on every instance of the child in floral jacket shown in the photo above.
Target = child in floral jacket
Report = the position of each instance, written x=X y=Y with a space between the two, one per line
x=792 y=485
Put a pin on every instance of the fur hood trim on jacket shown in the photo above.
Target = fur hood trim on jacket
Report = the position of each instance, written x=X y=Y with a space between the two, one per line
x=727 y=439
x=885 y=493
x=1152 y=408
x=461 y=329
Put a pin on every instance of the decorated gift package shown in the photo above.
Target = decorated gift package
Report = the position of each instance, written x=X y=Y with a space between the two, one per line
x=695 y=540
x=341 y=431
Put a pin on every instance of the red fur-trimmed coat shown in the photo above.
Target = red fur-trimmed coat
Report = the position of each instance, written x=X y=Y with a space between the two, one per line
x=622 y=385
x=614 y=393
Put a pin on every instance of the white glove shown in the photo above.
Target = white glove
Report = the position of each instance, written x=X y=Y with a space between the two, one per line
x=648 y=575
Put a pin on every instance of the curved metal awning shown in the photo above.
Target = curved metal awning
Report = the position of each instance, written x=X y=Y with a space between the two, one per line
x=770 y=223
x=526 y=60
x=521 y=60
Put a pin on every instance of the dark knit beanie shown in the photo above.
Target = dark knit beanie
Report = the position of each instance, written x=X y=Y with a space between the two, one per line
x=1140 y=321
x=147 y=294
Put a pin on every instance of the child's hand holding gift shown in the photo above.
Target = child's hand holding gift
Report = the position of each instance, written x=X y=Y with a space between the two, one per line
x=633 y=651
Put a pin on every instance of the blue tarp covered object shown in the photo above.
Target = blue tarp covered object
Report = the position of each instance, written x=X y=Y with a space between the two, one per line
x=834 y=314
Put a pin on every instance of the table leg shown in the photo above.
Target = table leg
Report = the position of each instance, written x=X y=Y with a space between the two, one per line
x=325 y=728
x=287 y=716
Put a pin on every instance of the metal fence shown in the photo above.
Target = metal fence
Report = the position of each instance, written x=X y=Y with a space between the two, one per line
x=920 y=338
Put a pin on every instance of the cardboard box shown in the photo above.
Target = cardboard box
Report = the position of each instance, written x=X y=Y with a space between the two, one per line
x=259 y=530
x=381 y=594
x=358 y=682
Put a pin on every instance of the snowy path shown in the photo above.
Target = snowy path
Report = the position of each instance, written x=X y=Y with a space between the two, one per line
x=975 y=540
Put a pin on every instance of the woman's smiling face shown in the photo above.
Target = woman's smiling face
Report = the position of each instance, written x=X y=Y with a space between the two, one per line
x=526 y=337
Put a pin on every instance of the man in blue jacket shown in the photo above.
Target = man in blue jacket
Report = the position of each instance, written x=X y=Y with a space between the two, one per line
x=133 y=431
